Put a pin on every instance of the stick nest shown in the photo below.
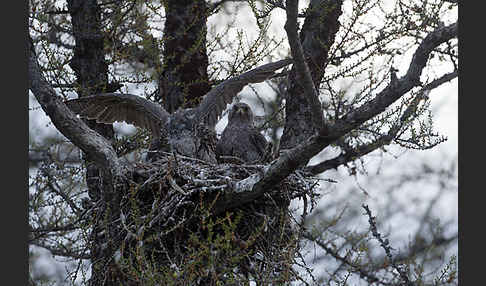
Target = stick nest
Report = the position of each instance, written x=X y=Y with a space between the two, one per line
x=172 y=199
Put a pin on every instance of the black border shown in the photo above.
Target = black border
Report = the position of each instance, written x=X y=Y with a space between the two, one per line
x=468 y=118
x=15 y=124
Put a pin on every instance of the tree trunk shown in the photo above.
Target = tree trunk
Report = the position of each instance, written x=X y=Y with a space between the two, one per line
x=317 y=36
x=91 y=71
x=184 y=79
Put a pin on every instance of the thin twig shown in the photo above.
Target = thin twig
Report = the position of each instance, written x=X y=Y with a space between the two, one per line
x=385 y=244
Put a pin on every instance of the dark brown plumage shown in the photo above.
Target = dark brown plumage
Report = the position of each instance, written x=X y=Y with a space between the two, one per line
x=189 y=131
x=240 y=138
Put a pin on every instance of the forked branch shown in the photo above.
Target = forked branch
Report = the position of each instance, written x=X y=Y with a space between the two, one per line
x=88 y=140
x=257 y=184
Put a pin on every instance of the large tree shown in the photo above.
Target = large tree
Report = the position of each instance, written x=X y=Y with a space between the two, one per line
x=359 y=83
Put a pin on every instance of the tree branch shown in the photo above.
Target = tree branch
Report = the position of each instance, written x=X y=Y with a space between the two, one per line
x=92 y=143
x=39 y=156
x=316 y=37
x=65 y=252
x=386 y=246
x=395 y=89
x=443 y=79
x=56 y=189
x=301 y=68
x=256 y=185
x=385 y=139
x=369 y=277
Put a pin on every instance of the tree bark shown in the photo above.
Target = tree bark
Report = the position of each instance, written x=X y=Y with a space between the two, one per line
x=97 y=147
x=88 y=61
x=91 y=69
x=256 y=185
x=184 y=79
x=317 y=36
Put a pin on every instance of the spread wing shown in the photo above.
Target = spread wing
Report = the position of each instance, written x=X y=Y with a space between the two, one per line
x=110 y=107
x=215 y=101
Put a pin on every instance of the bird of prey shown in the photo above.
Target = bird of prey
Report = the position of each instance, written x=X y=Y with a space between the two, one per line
x=240 y=138
x=189 y=131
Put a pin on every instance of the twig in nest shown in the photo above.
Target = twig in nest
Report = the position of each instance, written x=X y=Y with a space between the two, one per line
x=174 y=185
x=231 y=159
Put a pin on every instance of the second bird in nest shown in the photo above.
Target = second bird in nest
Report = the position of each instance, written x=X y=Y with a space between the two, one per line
x=240 y=138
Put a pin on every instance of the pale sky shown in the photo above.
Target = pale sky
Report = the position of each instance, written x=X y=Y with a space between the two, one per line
x=444 y=105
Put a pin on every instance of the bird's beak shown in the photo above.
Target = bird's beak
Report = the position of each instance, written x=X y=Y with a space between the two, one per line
x=239 y=110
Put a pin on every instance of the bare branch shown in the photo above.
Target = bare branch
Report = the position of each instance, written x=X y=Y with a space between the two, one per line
x=385 y=244
x=370 y=278
x=303 y=72
x=65 y=252
x=385 y=139
x=63 y=228
x=256 y=185
x=398 y=88
x=39 y=156
x=422 y=246
x=93 y=144
x=317 y=36
x=443 y=79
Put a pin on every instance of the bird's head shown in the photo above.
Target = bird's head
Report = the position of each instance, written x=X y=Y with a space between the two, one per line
x=240 y=113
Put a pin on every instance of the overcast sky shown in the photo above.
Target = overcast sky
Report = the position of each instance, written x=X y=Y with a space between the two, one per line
x=444 y=105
